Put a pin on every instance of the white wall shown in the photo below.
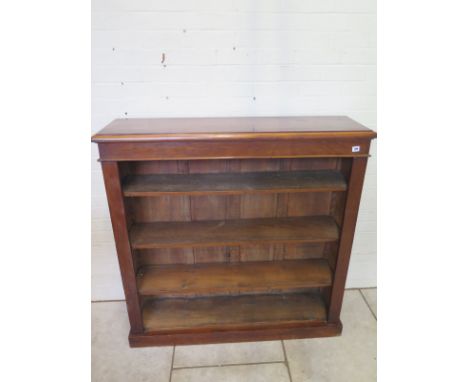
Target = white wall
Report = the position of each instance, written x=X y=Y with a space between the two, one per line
x=228 y=58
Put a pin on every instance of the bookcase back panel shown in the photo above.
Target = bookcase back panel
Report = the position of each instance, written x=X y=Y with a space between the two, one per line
x=230 y=165
x=244 y=206
x=220 y=207
x=159 y=256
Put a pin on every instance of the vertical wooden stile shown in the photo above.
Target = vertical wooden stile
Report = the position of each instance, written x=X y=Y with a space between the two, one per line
x=124 y=252
x=353 y=198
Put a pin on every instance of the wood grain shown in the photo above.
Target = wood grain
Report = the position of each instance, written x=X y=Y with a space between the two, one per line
x=231 y=312
x=294 y=146
x=302 y=330
x=117 y=210
x=164 y=129
x=234 y=232
x=234 y=183
x=233 y=278
x=353 y=199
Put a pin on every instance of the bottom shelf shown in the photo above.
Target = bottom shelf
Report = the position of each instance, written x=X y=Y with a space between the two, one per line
x=173 y=315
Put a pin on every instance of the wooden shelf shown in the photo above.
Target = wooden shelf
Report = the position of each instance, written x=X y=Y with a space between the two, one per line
x=233 y=278
x=234 y=183
x=309 y=229
x=233 y=312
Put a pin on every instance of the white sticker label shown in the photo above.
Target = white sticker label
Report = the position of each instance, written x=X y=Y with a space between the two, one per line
x=356 y=149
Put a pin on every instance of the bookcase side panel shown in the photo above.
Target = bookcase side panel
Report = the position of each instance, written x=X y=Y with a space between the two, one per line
x=119 y=225
x=353 y=198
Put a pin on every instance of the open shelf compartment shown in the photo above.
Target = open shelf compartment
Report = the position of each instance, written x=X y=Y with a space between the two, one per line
x=233 y=278
x=233 y=312
x=233 y=183
x=308 y=229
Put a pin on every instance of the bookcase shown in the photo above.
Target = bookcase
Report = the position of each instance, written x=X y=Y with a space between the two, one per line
x=233 y=229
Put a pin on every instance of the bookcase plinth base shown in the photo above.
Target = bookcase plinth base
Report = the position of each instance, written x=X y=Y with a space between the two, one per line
x=267 y=334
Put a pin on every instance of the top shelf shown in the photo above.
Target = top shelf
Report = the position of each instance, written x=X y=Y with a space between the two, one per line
x=234 y=183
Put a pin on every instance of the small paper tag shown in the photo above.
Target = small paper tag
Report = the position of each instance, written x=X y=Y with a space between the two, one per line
x=356 y=149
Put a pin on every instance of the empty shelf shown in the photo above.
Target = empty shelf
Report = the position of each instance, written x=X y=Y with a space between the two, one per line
x=234 y=183
x=234 y=232
x=233 y=278
x=229 y=312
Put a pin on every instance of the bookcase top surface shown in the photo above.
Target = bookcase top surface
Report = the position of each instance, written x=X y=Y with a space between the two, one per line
x=162 y=129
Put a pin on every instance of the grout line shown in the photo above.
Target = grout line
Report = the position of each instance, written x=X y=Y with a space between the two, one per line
x=172 y=363
x=360 y=288
x=364 y=297
x=227 y=364
x=286 y=360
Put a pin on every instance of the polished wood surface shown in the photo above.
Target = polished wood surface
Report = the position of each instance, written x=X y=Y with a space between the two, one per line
x=312 y=229
x=293 y=146
x=157 y=129
x=233 y=278
x=234 y=183
x=247 y=334
x=232 y=312
x=112 y=182
x=350 y=214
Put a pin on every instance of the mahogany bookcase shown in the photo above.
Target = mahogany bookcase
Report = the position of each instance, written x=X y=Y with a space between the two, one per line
x=233 y=229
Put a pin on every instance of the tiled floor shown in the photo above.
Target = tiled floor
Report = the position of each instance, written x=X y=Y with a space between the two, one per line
x=350 y=358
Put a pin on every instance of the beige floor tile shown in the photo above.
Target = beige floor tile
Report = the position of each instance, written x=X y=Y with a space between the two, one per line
x=112 y=358
x=228 y=354
x=273 y=372
x=371 y=297
x=349 y=358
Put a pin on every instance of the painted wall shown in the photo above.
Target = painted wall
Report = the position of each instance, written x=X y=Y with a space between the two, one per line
x=155 y=58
